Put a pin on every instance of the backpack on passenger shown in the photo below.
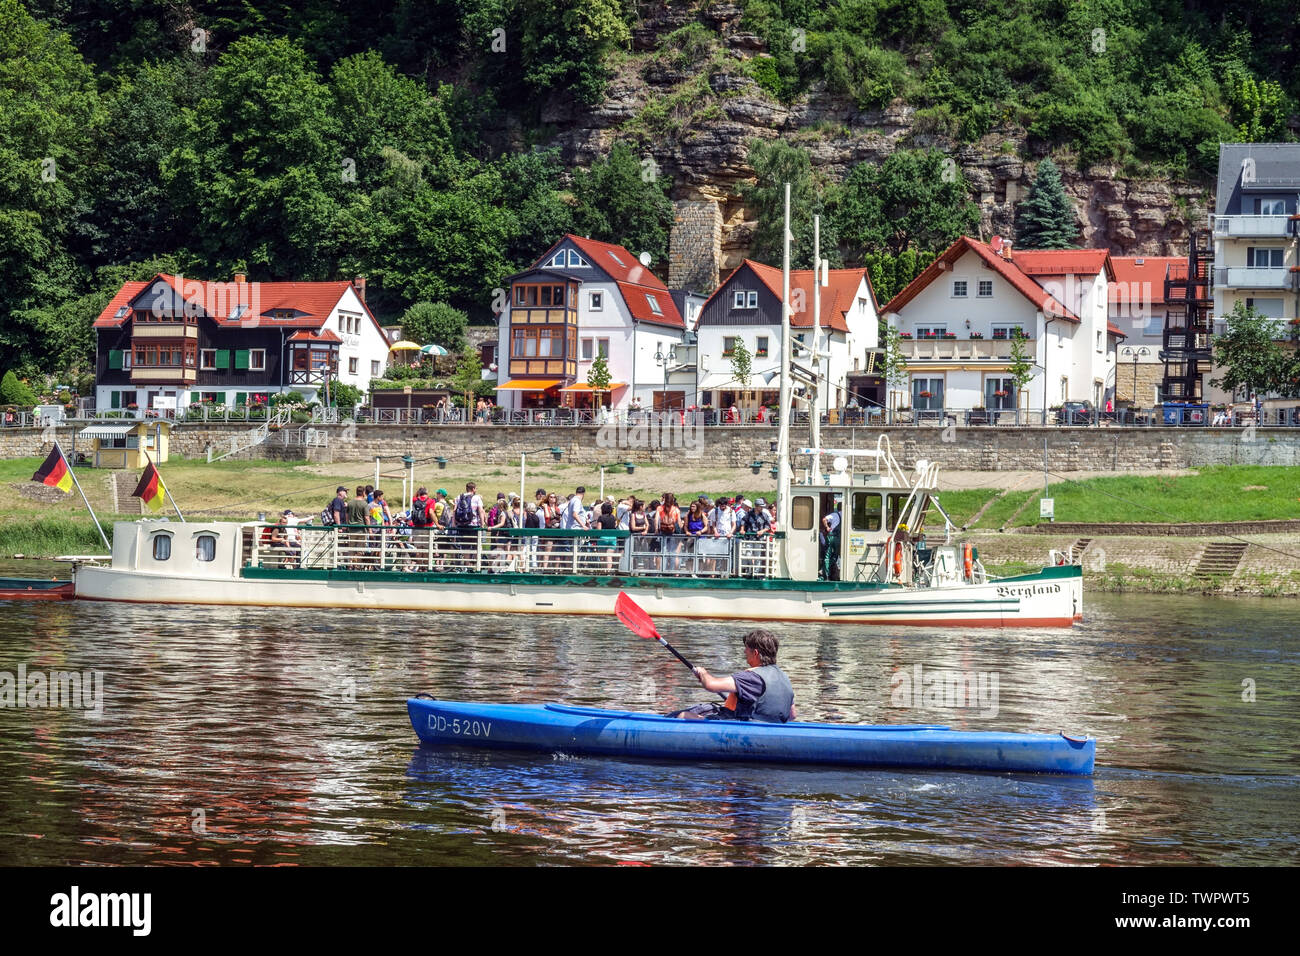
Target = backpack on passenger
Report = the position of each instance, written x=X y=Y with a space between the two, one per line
x=420 y=512
x=327 y=516
x=465 y=510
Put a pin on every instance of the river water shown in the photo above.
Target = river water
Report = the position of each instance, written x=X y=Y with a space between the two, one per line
x=281 y=737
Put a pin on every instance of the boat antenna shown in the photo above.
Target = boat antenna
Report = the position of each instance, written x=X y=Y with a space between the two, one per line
x=783 y=417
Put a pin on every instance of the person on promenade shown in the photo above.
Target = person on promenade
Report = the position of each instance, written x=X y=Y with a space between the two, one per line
x=761 y=692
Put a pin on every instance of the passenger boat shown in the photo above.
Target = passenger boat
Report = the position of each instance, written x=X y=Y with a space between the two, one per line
x=588 y=730
x=887 y=568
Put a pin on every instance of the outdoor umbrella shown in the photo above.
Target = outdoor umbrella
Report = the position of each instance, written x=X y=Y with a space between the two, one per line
x=433 y=350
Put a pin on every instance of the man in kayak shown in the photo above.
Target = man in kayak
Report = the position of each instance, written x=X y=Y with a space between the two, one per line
x=762 y=692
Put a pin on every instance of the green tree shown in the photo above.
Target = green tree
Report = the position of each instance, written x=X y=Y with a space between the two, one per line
x=742 y=363
x=540 y=215
x=1045 y=219
x=345 y=397
x=622 y=201
x=598 y=378
x=915 y=199
x=14 y=391
x=435 y=322
x=468 y=377
x=776 y=163
x=565 y=43
x=893 y=366
x=1249 y=354
x=260 y=168
x=1021 y=366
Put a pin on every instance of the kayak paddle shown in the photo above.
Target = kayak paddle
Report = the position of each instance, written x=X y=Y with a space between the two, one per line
x=639 y=623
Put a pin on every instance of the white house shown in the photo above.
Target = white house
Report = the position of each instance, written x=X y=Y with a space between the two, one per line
x=960 y=317
x=580 y=299
x=164 y=344
x=747 y=308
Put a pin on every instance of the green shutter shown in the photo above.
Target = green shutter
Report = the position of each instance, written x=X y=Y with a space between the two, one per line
x=241 y=398
x=241 y=359
x=116 y=399
x=196 y=397
x=115 y=358
x=223 y=359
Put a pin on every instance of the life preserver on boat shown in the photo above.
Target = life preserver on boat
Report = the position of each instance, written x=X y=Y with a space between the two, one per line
x=967 y=563
x=1060 y=558
x=898 y=559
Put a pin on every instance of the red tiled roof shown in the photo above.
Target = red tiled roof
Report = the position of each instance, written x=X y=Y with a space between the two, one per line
x=1061 y=262
x=837 y=298
x=634 y=280
x=1114 y=329
x=313 y=335
x=1132 y=272
x=1008 y=269
x=311 y=302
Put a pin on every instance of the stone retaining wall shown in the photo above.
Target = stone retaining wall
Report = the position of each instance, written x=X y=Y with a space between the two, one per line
x=1188 y=530
x=968 y=448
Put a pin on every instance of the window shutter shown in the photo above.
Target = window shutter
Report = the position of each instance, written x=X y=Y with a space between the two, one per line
x=241 y=398
x=115 y=399
x=115 y=359
x=241 y=359
x=222 y=359
x=195 y=397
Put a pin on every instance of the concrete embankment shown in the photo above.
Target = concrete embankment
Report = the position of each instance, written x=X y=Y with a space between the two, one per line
x=1247 y=564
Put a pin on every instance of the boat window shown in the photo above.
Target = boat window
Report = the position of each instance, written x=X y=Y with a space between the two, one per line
x=162 y=547
x=205 y=547
x=895 y=509
x=802 y=513
x=866 y=511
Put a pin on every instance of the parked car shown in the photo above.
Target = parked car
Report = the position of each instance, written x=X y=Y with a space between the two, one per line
x=1076 y=413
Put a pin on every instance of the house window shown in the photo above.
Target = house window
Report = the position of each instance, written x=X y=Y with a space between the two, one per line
x=930 y=331
x=603 y=345
x=1269 y=308
x=618 y=260
x=985 y=288
x=1258 y=257
x=1156 y=323
x=751 y=299
x=738 y=299
x=1271 y=207
x=519 y=295
x=126 y=360
x=597 y=301
x=959 y=288
x=374 y=368
x=1007 y=331
x=205 y=547
x=999 y=393
x=587 y=354
x=576 y=260
x=1101 y=346
x=352 y=366
x=654 y=304
x=257 y=360
x=728 y=345
x=862 y=304
x=207 y=359
x=760 y=347
x=162 y=547
x=927 y=393
x=1065 y=387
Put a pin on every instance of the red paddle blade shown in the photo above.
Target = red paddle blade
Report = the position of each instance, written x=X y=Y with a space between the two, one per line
x=634 y=617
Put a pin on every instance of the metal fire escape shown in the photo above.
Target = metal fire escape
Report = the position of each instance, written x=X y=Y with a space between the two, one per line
x=1189 y=323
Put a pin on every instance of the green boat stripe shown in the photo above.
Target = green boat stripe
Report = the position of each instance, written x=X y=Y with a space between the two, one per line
x=967 y=601
x=919 y=610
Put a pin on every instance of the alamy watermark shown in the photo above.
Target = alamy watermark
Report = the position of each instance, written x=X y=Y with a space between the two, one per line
x=940 y=689
x=650 y=430
x=67 y=690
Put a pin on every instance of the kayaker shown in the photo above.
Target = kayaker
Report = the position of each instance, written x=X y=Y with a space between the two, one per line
x=762 y=692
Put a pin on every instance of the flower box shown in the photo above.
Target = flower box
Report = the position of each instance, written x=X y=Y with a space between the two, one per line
x=905 y=335
x=977 y=335
x=1003 y=393
x=949 y=335
x=926 y=395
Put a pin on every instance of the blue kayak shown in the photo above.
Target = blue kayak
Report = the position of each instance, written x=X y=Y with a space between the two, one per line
x=589 y=730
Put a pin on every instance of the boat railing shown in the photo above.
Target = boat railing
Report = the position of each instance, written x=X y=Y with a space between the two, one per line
x=508 y=550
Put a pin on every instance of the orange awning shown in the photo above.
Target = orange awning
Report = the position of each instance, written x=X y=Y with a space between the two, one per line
x=529 y=384
x=584 y=387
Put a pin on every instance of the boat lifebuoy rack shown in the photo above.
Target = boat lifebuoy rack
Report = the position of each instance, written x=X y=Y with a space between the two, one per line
x=967 y=561
x=898 y=559
x=1060 y=559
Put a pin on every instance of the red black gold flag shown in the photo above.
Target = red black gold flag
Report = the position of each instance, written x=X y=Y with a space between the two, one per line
x=150 y=488
x=55 y=471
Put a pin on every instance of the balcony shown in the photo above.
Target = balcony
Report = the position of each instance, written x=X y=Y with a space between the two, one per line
x=163 y=375
x=1252 y=227
x=961 y=350
x=1252 y=277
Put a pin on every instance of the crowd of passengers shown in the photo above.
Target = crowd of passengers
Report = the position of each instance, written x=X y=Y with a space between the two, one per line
x=372 y=527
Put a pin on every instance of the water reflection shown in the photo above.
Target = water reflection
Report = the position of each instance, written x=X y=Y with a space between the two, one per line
x=280 y=737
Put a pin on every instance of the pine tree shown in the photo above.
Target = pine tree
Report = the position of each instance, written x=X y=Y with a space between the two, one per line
x=1046 y=220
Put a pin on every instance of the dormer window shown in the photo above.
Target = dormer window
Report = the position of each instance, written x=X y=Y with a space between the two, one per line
x=122 y=310
x=238 y=311
x=576 y=261
x=654 y=304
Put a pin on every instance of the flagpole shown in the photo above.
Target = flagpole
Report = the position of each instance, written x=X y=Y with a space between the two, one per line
x=73 y=472
x=167 y=491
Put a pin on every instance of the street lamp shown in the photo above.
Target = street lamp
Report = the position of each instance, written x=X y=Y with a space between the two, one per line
x=665 y=361
x=1136 y=352
x=757 y=466
x=556 y=453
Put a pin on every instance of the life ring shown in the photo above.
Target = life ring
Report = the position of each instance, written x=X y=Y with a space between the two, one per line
x=898 y=559
x=966 y=560
x=1060 y=559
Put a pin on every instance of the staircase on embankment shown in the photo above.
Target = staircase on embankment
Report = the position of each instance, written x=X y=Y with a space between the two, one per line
x=1219 y=561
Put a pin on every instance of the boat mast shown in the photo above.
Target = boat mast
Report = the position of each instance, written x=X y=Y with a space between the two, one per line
x=814 y=414
x=783 y=420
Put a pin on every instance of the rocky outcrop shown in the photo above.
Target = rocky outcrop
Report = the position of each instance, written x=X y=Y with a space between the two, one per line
x=696 y=114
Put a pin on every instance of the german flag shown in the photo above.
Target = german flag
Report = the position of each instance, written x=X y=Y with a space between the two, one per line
x=55 y=471
x=150 y=488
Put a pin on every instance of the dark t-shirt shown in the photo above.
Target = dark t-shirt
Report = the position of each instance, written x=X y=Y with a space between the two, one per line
x=357 y=511
x=608 y=522
x=339 y=509
x=749 y=686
